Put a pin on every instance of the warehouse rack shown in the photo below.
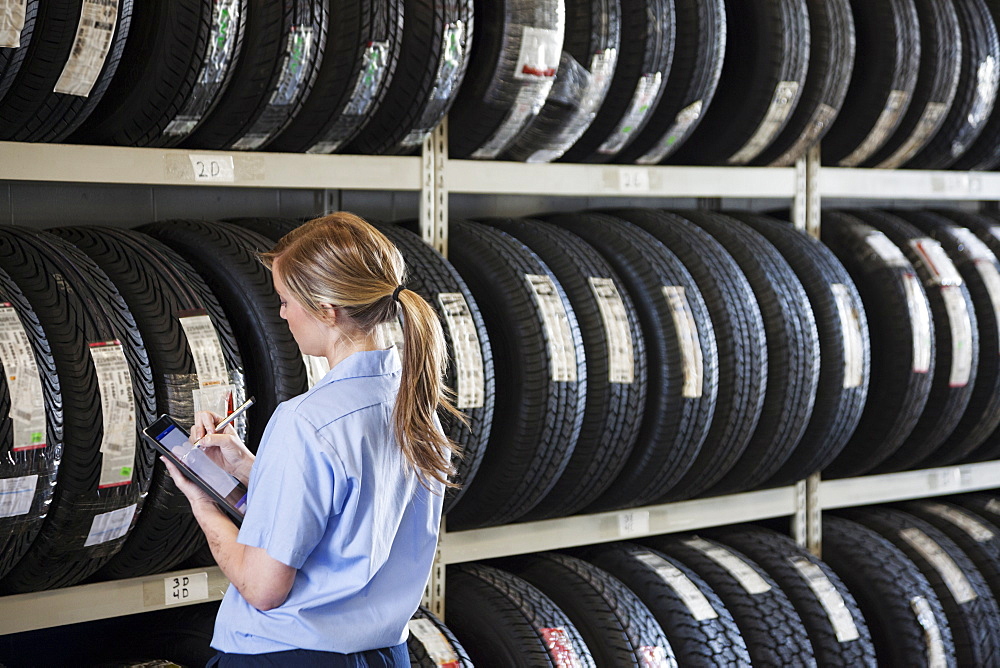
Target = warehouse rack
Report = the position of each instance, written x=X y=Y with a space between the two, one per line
x=433 y=175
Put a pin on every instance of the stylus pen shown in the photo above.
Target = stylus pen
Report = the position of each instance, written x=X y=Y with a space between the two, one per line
x=229 y=418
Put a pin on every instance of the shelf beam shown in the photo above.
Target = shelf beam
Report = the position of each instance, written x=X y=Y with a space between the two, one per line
x=836 y=182
x=890 y=487
x=64 y=163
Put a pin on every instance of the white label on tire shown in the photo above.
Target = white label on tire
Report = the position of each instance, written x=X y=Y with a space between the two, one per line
x=993 y=505
x=16 y=495
x=949 y=571
x=823 y=117
x=978 y=531
x=973 y=245
x=826 y=593
x=558 y=337
x=561 y=649
x=741 y=571
x=920 y=320
x=435 y=643
x=453 y=55
x=539 y=55
x=961 y=335
x=929 y=122
x=27 y=402
x=991 y=280
x=11 y=22
x=885 y=249
x=995 y=231
x=316 y=368
x=688 y=340
x=786 y=93
x=699 y=606
x=203 y=342
x=850 y=328
x=621 y=356
x=111 y=525
x=470 y=378
x=639 y=108
x=982 y=104
x=895 y=105
x=936 y=260
x=685 y=118
x=114 y=382
x=932 y=632
x=90 y=48
x=527 y=104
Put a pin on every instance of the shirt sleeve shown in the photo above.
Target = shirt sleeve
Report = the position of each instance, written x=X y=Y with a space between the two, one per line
x=296 y=486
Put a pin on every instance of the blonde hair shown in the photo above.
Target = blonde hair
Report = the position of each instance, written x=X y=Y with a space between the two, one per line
x=340 y=259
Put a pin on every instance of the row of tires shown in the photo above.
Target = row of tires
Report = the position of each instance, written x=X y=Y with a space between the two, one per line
x=914 y=584
x=648 y=357
x=894 y=83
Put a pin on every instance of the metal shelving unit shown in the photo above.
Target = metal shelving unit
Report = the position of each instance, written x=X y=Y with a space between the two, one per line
x=433 y=175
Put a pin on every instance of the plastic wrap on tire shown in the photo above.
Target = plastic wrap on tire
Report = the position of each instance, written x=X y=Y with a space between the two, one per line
x=984 y=153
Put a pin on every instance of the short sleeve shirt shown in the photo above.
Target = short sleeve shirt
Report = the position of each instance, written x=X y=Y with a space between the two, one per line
x=332 y=496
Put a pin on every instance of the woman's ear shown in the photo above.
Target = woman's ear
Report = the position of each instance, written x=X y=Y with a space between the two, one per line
x=329 y=314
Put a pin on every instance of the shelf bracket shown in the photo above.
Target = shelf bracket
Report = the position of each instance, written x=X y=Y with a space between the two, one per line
x=807 y=522
x=433 y=598
x=434 y=189
x=806 y=207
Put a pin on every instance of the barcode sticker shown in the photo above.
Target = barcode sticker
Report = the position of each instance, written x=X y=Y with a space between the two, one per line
x=850 y=327
x=886 y=250
x=961 y=335
x=929 y=122
x=12 y=13
x=688 y=340
x=27 y=402
x=621 y=355
x=963 y=520
x=932 y=632
x=470 y=377
x=920 y=321
x=436 y=645
x=786 y=94
x=833 y=603
x=90 y=49
x=16 y=495
x=114 y=382
x=742 y=572
x=682 y=123
x=561 y=650
x=558 y=335
x=937 y=262
x=214 y=387
x=696 y=602
x=946 y=567
x=111 y=525
x=895 y=106
x=185 y=588
x=646 y=91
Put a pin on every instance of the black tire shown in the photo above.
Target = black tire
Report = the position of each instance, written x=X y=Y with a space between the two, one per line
x=159 y=291
x=225 y=257
x=432 y=644
x=701 y=630
x=976 y=535
x=26 y=407
x=844 y=347
x=902 y=342
x=699 y=49
x=434 y=54
x=793 y=352
x=680 y=345
x=503 y=621
x=837 y=629
x=540 y=389
x=739 y=336
x=644 y=58
x=359 y=62
x=981 y=272
x=283 y=47
x=616 y=364
x=583 y=78
x=904 y=615
x=767 y=56
x=100 y=489
x=615 y=624
x=937 y=84
x=770 y=626
x=968 y=604
x=984 y=153
x=30 y=109
x=977 y=87
x=162 y=65
x=882 y=84
x=956 y=340
x=831 y=61
x=495 y=100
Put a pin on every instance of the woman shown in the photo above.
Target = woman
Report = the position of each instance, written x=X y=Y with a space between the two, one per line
x=345 y=494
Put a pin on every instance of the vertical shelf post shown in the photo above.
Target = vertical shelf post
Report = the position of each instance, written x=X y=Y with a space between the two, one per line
x=434 y=189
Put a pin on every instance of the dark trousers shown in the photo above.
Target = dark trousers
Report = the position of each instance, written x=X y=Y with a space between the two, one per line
x=389 y=657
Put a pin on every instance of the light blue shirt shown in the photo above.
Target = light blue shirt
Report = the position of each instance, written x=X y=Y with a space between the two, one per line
x=332 y=496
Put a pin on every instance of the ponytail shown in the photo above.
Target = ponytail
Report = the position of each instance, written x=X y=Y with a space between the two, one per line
x=342 y=260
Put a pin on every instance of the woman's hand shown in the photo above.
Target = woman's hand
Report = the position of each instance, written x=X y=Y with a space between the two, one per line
x=196 y=496
x=224 y=448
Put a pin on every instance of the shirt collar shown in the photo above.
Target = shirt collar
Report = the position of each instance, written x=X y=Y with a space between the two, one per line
x=365 y=363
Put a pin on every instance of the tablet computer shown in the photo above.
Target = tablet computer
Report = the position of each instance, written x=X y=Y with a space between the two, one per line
x=170 y=439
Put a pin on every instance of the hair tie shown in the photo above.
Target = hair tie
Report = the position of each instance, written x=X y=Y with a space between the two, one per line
x=395 y=293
